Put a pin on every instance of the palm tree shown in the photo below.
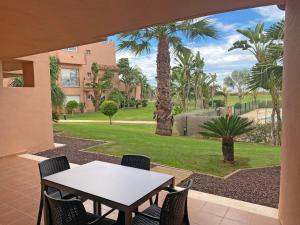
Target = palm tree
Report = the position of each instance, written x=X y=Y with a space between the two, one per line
x=213 y=87
x=128 y=75
x=165 y=35
x=201 y=81
x=263 y=45
x=238 y=79
x=227 y=128
x=99 y=85
x=57 y=94
x=268 y=74
x=225 y=92
x=182 y=74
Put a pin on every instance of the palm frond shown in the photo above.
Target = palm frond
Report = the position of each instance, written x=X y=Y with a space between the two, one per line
x=229 y=126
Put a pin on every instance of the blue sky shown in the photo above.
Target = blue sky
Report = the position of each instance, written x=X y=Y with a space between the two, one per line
x=215 y=52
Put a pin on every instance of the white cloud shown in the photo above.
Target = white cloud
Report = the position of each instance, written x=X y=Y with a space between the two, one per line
x=220 y=26
x=270 y=13
x=218 y=60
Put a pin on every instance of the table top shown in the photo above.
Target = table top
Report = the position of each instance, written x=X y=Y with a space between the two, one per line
x=120 y=184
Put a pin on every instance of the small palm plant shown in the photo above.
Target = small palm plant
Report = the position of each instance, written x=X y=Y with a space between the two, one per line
x=227 y=128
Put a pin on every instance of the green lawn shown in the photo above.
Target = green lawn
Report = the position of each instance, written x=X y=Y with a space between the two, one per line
x=146 y=113
x=182 y=152
x=141 y=113
x=233 y=99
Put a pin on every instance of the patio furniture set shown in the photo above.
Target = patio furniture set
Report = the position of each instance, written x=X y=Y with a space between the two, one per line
x=121 y=187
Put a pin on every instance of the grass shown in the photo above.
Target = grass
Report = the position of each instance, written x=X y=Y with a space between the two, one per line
x=233 y=99
x=146 y=113
x=195 y=154
x=142 y=113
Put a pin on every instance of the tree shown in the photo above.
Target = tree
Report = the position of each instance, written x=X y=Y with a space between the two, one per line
x=17 y=82
x=268 y=75
x=165 y=35
x=213 y=87
x=109 y=108
x=265 y=46
x=181 y=76
x=129 y=75
x=238 y=80
x=99 y=84
x=143 y=82
x=71 y=106
x=200 y=81
x=57 y=94
x=224 y=91
x=227 y=128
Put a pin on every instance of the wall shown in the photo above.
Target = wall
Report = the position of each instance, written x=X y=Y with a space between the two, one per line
x=25 y=115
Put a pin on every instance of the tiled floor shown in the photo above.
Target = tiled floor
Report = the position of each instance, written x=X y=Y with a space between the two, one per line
x=20 y=193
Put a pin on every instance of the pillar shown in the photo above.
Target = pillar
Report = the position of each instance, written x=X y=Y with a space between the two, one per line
x=28 y=74
x=289 y=205
x=1 y=74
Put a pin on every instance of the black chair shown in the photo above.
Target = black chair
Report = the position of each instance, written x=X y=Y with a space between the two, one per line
x=47 y=168
x=136 y=161
x=173 y=212
x=70 y=212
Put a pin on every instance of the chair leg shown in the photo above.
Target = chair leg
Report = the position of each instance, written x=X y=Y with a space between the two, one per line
x=97 y=208
x=40 y=211
x=156 y=199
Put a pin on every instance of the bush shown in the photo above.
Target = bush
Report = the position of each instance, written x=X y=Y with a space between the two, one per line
x=71 y=106
x=109 y=108
x=144 y=102
x=55 y=117
x=217 y=103
x=81 y=107
x=177 y=110
x=138 y=103
x=132 y=102
x=118 y=97
x=261 y=134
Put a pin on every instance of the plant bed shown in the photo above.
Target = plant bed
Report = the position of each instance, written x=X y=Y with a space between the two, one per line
x=74 y=150
x=259 y=186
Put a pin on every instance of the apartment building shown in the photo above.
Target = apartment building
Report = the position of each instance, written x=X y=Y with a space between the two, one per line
x=75 y=71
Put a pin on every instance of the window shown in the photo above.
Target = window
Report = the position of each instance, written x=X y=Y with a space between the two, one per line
x=88 y=51
x=70 y=77
x=89 y=97
x=72 y=98
x=71 y=49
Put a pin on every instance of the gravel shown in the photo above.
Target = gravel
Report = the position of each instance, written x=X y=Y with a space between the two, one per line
x=259 y=186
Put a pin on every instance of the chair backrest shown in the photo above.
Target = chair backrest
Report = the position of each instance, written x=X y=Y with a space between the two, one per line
x=64 y=212
x=53 y=165
x=174 y=209
x=136 y=161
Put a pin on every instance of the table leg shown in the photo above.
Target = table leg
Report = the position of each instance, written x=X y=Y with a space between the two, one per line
x=128 y=218
x=97 y=208
x=172 y=185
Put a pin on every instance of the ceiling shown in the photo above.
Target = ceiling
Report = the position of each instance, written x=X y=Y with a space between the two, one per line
x=36 y=26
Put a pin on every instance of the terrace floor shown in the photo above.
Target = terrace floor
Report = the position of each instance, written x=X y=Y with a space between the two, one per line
x=20 y=193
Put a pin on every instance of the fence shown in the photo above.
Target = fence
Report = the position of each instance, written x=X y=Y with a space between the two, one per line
x=239 y=109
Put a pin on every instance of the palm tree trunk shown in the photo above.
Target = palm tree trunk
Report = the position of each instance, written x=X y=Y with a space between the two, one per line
x=163 y=113
x=228 y=149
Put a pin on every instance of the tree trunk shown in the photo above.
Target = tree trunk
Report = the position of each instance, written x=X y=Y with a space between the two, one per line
x=110 y=120
x=228 y=149
x=163 y=113
x=96 y=96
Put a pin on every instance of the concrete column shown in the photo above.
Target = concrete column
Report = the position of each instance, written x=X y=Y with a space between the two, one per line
x=1 y=75
x=28 y=74
x=289 y=205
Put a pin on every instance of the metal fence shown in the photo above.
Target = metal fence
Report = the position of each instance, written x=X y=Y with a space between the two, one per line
x=239 y=109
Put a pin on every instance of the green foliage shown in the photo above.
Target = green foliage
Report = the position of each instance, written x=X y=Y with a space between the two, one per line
x=144 y=102
x=71 y=106
x=55 y=117
x=217 y=103
x=177 y=110
x=17 y=82
x=109 y=108
x=261 y=134
x=132 y=102
x=81 y=106
x=57 y=94
x=117 y=96
x=226 y=126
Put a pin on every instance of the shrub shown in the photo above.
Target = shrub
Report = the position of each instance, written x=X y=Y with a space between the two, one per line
x=261 y=134
x=71 y=106
x=55 y=117
x=81 y=107
x=132 y=102
x=118 y=97
x=109 y=108
x=177 y=110
x=217 y=103
x=138 y=103
x=144 y=102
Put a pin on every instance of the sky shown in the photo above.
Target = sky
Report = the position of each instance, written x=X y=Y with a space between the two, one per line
x=214 y=51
